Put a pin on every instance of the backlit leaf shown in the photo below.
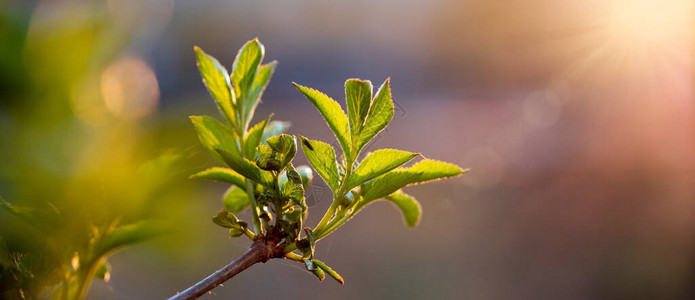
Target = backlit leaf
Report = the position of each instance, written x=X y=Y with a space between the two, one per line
x=329 y=271
x=253 y=138
x=228 y=220
x=285 y=145
x=214 y=135
x=433 y=170
x=222 y=174
x=216 y=79
x=388 y=183
x=260 y=82
x=331 y=112
x=358 y=96
x=410 y=207
x=380 y=114
x=321 y=156
x=244 y=70
x=246 y=168
x=377 y=163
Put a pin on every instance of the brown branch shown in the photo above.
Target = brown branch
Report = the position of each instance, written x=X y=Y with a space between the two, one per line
x=260 y=251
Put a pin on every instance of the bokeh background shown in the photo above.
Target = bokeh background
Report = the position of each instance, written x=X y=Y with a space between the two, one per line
x=577 y=119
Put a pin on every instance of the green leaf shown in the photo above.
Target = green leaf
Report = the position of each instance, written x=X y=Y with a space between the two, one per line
x=260 y=82
x=267 y=159
x=319 y=274
x=377 y=163
x=278 y=152
x=331 y=112
x=321 y=156
x=244 y=71
x=304 y=172
x=291 y=185
x=235 y=232
x=293 y=190
x=285 y=145
x=127 y=235
x=226 y=219
x=274 y=128
x=434 y=170
x=216 y=80
x=253 y=138
x=380 y=114
x=246 y=168
x=223 y=175
x=235 y=199
x=423 y=171
x=388 y=183
x=410 y=207
x=328 y=270
x=358 y=95
x=314 y=269
x=214 y=135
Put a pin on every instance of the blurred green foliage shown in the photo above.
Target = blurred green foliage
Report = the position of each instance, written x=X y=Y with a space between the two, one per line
x=79 y=178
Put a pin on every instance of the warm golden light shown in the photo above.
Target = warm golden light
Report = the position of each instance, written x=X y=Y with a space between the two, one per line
x=648 y=21
x=642 y=48
x=129 y=88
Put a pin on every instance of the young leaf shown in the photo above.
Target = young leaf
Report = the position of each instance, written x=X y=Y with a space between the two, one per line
x=328 y=270
x=222 y=174
x=380 y=114
x=319 y=274
x=214 y=135
x=314 y=269
x=331 y=112
x=377 y=163
x=433 y=170
x=358 y=95
x=235 y=232
x=244 y=70
x=388 y=183
x=410 y=207
x=274 y=128
x=293 y=190
x=217 y=82
x=235 y=199
x=267 y=159
x=253 y=138
x=228 y=220
x=321 y=156
x=285 y=145
x=246 y=168
x=260 y=82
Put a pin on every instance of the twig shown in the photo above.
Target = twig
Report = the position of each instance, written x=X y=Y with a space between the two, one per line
x=260 y=251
